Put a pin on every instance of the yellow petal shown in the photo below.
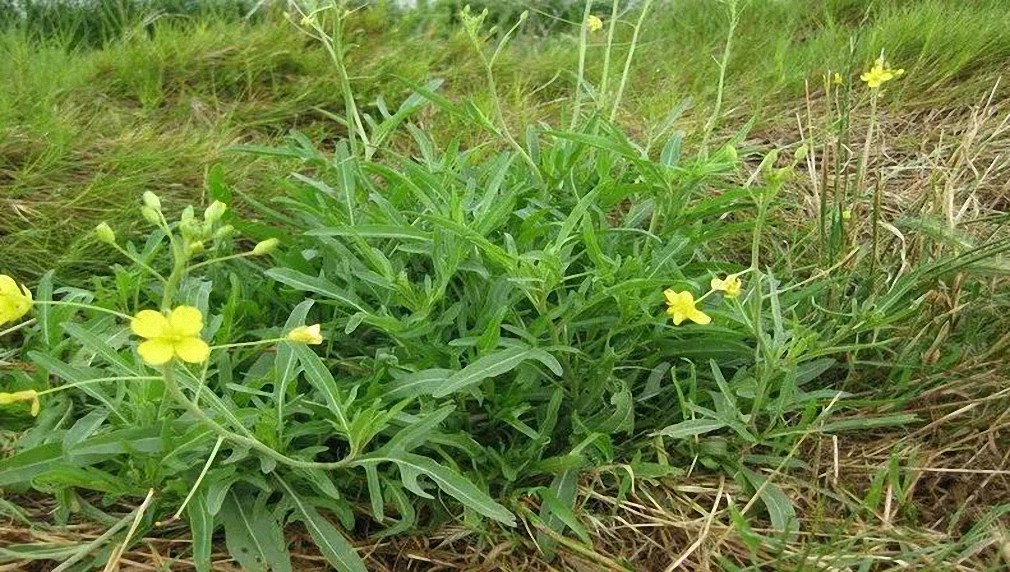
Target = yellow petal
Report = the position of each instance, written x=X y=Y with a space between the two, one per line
x=699 y=317
x=192 y=350
x=36 y=406
x=678 y=317
x=719 y=284
x=186 y=321
x=671 y=296
x=149 y=324
x=156 y=352
x=8 y=286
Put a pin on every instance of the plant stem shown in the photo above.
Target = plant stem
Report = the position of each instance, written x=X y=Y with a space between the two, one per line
x=605 y=78
x=83 y=306
x=580 y=76
x=139 y=263
x=627 y=60
x=734 y=19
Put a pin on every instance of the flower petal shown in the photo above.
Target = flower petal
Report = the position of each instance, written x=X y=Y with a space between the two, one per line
x=699 y=317
x=192 y=350
x=671 y=296
x=718 y=284
x=186 y=321
x=156 y=352
x=149 y=324
x=7 y=285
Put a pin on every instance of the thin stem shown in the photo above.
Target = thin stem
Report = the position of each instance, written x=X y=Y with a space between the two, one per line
x=221 y=259
x=336 y=51
x=196 y=485
x=98 y=380
x=13 y=329
x=627 y=60
x=83 y=306
x=734 y=18
x=140 y=263
x=248 y=344
x=611 y=28
x=580 y=77
x=178 y=270
x=868 y=144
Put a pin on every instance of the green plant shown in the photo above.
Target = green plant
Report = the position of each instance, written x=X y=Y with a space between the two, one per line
x=494 y=329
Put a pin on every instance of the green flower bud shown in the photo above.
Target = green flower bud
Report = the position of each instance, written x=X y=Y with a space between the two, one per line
x=190 y=229
x=104 y=233
x=194 y=248
x=214 y=212
x=265 y=246
x=152 y=201
x=151 y=215
x=224 y=232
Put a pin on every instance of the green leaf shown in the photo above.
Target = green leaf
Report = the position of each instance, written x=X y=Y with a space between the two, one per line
x=320 y=377
x=74 y=374
x=494 y=365
x=781 y=511
x=285 y=364
x=201 y=525
x=337 y=550
x=24 y=466
x=563 y=490
x=375 y=231
x=100 y=347
x=415 y=434
x=424 y=382
x=29 y=464
x=452 y=483
x=564 y=512
x=320 y=286
x=690 y=428
x=253 y=537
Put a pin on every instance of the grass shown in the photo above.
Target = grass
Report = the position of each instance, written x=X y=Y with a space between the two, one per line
x=614 y=439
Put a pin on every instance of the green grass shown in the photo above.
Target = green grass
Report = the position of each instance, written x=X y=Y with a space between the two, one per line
x=489 y=274
x=89 y=127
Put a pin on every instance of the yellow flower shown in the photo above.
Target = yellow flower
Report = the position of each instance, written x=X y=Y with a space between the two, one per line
x=836 y=79
x=306 y=335
x=732 y=285
x=15 y=301
x=175 y=335
x=880 y=73
x=594 y=23
x=18 y=396
x=681 y=307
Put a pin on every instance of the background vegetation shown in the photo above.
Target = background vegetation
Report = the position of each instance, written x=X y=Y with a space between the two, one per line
x=490 y=272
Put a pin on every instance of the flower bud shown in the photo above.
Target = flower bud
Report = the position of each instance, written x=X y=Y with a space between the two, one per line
x=265 y=246
x=152 y=201
x=104 y=233
x=151 y=215
x=214 y=212
x=306 y=335
x=224 y=232
x=188 y=226
x=193 y=248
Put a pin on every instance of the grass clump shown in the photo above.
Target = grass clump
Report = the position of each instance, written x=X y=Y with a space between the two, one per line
x=522 y=333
